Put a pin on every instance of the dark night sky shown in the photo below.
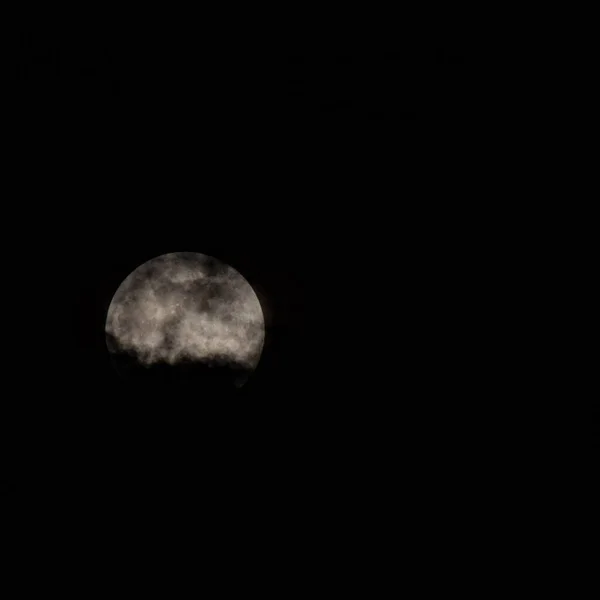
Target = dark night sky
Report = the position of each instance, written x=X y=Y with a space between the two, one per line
x=344 y=181
x=307 y=168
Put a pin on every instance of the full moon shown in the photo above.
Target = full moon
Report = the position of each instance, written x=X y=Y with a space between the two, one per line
x=184 y=316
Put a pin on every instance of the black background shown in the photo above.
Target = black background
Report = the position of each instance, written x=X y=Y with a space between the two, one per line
x=344 y=180
x=309 y=167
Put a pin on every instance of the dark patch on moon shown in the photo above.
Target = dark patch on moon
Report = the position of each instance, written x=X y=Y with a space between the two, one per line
x=209 y=376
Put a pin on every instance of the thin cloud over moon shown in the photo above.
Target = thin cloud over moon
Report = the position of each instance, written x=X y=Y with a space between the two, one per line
x=183 y=307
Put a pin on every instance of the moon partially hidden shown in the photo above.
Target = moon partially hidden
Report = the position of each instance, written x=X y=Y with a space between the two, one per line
x=186 y=315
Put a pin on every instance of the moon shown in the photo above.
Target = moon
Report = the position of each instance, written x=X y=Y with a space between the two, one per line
x=186 y=316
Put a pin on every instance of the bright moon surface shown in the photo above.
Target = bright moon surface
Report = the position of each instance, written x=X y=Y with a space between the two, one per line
x=186 y=307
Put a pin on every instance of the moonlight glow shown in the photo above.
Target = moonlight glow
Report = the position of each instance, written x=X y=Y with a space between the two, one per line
x=186 y=307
